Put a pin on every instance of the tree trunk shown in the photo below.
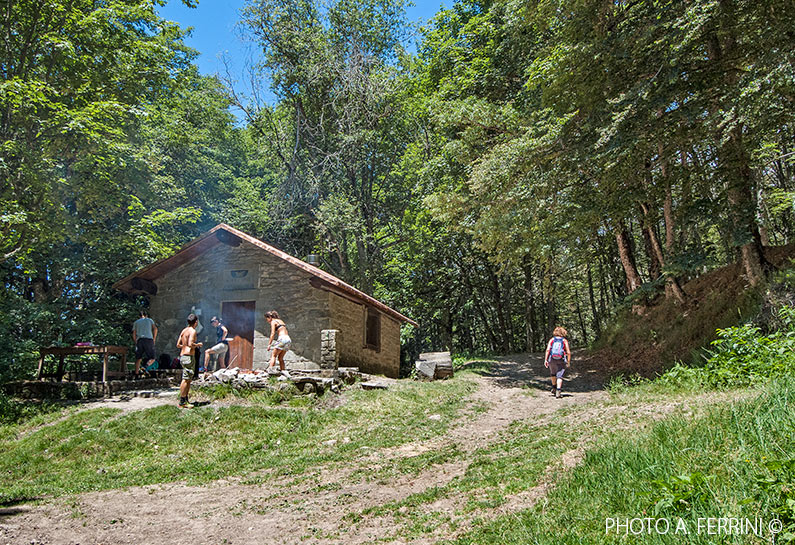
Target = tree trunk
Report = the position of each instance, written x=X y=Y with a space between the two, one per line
x=549 y=290
x=447 y=328
x=365 y=278
x=671 y=283
x=503 y=336
x=579 y=317
x=733 y=157
x=741 y=201
x=672 y=286
x=687 y=196
x=668 y=215
x=595 y=313
x=529 y=306
x=487 y=326
x=655 y=266
x=627 y=258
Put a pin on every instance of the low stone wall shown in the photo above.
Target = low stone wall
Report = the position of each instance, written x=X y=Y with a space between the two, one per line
x=38 y=389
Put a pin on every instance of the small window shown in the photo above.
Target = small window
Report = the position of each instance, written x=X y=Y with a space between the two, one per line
x=372 y=330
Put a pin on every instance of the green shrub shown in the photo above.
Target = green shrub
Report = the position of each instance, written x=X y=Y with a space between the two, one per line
x=620 y=383
x=742 y=355
x=776 y=487
x=682 y=375
x=678 y=493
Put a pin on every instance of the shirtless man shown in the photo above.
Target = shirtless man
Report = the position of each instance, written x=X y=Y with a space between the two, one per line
x=187 y=348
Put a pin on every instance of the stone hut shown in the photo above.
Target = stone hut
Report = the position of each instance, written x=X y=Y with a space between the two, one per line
x=228 y=273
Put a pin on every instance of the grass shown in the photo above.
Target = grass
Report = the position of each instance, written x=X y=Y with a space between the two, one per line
x=104 y=449
x=733 y=461
x=16 y=416
x=515 y=463
x=706 y=459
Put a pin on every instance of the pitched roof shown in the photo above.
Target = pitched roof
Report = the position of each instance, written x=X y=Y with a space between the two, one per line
x=224 y=234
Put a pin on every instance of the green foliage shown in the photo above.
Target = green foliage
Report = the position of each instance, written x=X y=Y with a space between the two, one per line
x=13 y=411
x=620 y=383
x=742 y=355
x=679 y=493
x=681 y=375
x=117 y=158
x=478 y=186
x=776 y=487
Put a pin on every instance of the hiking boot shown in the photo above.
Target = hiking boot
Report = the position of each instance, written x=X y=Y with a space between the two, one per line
x=185 y=404
x=557 y=393
x=553 y=390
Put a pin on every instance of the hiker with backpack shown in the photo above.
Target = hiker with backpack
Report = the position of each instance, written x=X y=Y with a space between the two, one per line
x=557 y=358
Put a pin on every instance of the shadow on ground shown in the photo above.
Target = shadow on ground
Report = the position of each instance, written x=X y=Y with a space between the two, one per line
x=528 y=371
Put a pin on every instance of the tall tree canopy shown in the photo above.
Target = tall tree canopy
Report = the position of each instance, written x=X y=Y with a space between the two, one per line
x=533 y=163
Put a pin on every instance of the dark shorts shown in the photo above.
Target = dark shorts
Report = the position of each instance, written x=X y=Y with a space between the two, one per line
x=145 y=347
x=557 y=368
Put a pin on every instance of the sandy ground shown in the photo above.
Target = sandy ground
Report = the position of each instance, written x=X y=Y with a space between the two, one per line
x=316 y=511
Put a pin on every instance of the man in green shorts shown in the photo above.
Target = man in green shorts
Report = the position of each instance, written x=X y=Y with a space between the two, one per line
x=187 y=348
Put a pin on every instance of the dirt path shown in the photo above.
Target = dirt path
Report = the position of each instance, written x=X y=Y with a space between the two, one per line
x=317 y=510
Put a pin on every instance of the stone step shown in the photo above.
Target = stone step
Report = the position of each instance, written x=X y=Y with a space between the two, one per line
x=434 y=365
x=374 y=385
x=436 y=356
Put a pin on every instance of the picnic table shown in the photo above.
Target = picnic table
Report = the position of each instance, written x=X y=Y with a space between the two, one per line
x=62 y=351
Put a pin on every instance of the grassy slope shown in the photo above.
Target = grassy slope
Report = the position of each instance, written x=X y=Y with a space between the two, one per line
x=723 y=463
x=98 y=449
x=648 y=340
x=631 y=464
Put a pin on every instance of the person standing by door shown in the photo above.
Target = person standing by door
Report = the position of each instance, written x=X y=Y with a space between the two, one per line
x=282 y=341
x=220 y=348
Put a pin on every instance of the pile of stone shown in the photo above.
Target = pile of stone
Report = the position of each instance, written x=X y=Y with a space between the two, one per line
x=434 y=366
x=306 y=380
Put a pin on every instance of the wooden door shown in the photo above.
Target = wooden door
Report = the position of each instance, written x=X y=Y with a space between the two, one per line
x=239 y=319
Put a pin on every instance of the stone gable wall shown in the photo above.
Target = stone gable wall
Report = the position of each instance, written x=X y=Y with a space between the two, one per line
x=272 y=283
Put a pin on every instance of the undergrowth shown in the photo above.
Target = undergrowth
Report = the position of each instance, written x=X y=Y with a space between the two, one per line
x=288 y=395
x=740 y=356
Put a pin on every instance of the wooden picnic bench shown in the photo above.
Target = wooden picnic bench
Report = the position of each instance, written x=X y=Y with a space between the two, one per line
x=62 y=351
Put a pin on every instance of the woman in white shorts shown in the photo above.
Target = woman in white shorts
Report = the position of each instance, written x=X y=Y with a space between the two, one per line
x=282 y=343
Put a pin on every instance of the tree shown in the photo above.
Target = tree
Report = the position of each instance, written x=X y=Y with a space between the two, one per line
x=337 y=128
x=77 y=78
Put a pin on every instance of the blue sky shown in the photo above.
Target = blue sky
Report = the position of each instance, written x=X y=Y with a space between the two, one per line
x=214 y=31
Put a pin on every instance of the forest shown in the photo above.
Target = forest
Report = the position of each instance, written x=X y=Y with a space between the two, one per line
x=524 y=164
